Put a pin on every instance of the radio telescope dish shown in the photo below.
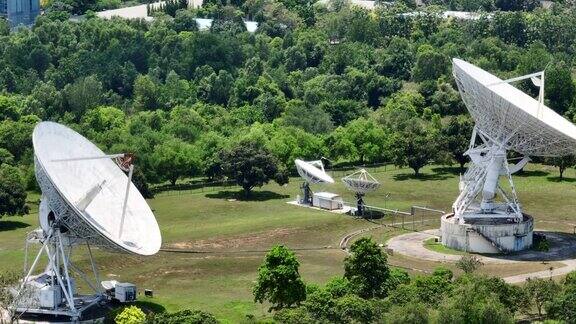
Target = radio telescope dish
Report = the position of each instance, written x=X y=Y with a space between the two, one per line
x=360 y=182
x=510 y=116
x=311 y=172
x=505 y=119
x=87 y=192
x=86 y=199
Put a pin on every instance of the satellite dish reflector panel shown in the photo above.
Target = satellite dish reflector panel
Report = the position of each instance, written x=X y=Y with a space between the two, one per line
x=311 y=173
x=508 y=115
x=361 y=182
x=88 y=194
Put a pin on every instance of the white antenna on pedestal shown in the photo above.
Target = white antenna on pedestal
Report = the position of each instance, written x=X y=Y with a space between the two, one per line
x=82 y=203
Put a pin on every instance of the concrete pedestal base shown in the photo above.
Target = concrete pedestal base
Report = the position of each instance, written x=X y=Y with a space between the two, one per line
x=491 y=235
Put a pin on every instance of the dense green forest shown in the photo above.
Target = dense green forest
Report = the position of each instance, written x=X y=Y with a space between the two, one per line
x=316 y=79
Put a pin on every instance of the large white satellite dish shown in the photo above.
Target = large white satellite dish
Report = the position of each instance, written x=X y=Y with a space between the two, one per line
x=311 y=172
x=86 y=199
x=88 y=192
x=360 y=182
x=510 y=116
x=505 y=119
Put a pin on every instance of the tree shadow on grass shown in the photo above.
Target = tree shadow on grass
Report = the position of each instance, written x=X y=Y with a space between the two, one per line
x=8 y=225
x=531 y=173
x=254 y=195
x=558 y=179
x=453 y=170
x=422 y=176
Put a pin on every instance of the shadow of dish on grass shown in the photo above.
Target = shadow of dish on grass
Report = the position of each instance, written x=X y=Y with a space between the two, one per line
x=9 y=225
x=254 y=195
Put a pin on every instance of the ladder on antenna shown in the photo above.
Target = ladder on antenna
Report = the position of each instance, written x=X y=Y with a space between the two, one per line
x=473 y=181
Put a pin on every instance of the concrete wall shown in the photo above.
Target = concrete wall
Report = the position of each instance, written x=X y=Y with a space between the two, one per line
x=480 y=238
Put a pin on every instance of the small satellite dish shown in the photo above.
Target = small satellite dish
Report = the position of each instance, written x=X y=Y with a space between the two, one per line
x=86 y=199
x=360 y=182
x=312 y=172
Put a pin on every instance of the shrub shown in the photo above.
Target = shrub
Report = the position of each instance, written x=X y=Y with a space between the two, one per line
x=131 y=315
x=540 y=243
x=183 y=317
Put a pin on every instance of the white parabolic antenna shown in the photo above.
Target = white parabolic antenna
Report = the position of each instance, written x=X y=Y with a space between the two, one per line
x=361 y=182
x=505 y=119
x=510 y=116
x=88 y=194
x=86 y=200
x=313 y=171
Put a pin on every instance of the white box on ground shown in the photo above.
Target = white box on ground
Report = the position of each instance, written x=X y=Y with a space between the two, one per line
x=125 y=292
x=327 y=200
x=50 y=296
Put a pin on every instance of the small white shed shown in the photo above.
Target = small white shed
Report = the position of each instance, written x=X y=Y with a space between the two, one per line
x=327 y=200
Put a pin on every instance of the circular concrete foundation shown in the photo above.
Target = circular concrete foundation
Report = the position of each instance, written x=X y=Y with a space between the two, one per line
x=494 y=235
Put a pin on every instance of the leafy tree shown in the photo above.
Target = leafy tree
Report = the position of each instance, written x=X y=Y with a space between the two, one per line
x=251 y=165
x=311 y=119
x=298 y=315
x=474 y=301
x=455 y=138
x=398 y=58
x=563 y=306
x=145 y=93
x=430 y=64
x=353 y=309
x=562 y=163
x=343 y=111
x=431 y=289
x=9 y=107
x=174 y=159
x=6 y=157
x=469 y=263
x=415 y=146
x=279 y=281
x=186 y=316
x=540 y=291
x=560 y=89
x=185 y=123
x=103 y=118
x=367 y=269
x=82 y=95
x=413 y=313
x=131 y=315
x=362 y=139
x=12 y=191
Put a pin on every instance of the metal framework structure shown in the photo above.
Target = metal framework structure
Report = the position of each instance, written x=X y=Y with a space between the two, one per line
x=506 y=119
x=360 y=182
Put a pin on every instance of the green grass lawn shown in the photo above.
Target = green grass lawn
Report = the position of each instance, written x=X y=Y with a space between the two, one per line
x=237 y=232
x=433 y=245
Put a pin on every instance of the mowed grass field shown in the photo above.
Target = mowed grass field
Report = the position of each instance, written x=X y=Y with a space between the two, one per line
x=235 y=235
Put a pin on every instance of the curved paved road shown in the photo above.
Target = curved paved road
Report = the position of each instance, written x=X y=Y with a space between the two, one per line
x=563 y=250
